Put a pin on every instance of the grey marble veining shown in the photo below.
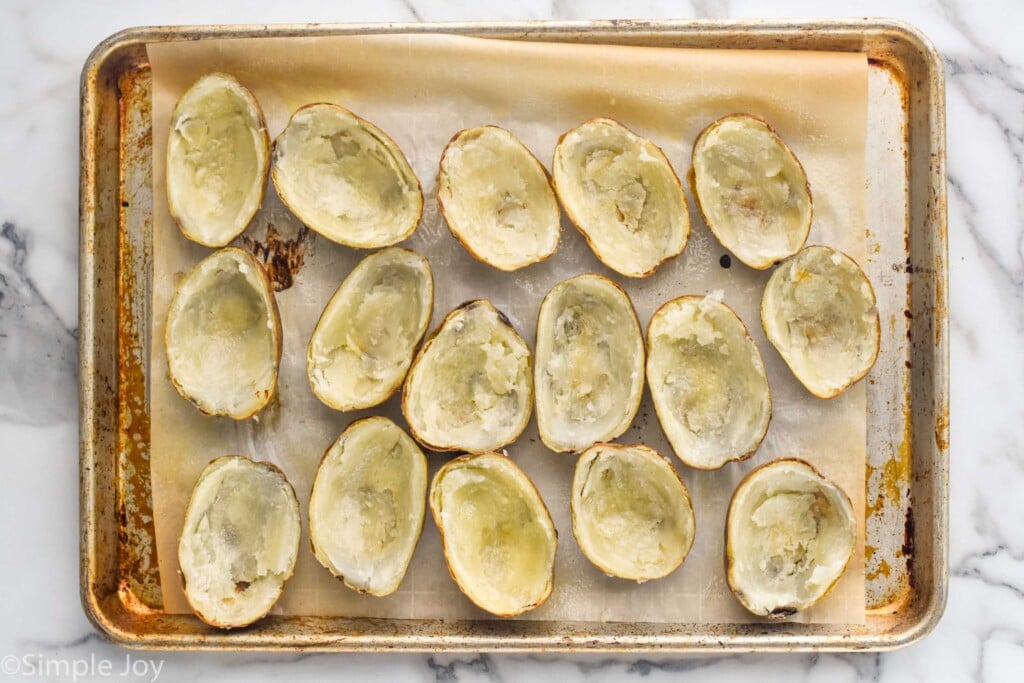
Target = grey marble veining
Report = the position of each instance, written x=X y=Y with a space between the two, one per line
x=38 y=352
x=981 y=638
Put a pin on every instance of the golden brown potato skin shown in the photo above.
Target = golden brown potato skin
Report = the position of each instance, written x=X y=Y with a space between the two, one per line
x=198 y=228
x=482 y=462
x=417 y=397
x=778 y=612
x=303 y=198
x=590 y=211
x=750 y=204
x=538 y=200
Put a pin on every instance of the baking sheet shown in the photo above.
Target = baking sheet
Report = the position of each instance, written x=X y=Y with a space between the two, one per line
x=423 y=89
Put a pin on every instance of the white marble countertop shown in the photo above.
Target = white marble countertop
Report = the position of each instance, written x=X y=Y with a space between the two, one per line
x=43 y=46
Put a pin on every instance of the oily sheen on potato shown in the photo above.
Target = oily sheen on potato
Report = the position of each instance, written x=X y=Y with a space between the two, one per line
x=819 y=312
x=631 y=513
x=239 y=541
x=223 y=335
x=497 y=200
x=217 y=160
x=498 y=537
x=621 y=193
x=345 y=178
x=707 y=381
x=751 y=190
x=589 y=365
x=789 y=536
x=367 y=506
x=470 y=388
x=364 y=341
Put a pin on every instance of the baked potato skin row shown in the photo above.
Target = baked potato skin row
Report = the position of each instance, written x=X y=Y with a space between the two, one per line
x=347 y=180
x=790 y=532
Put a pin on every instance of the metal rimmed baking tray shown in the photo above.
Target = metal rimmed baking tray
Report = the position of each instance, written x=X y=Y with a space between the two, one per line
x=907 y=464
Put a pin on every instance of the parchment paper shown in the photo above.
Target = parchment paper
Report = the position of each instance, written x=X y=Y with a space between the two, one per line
x=423 y=89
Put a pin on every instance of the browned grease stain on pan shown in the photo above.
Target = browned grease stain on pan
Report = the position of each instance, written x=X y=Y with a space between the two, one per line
x=907 y=551
x=137 y=567
x=942 y=429
x=883 y=569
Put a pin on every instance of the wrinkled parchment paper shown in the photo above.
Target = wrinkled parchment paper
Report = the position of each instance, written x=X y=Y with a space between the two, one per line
x=423 y=89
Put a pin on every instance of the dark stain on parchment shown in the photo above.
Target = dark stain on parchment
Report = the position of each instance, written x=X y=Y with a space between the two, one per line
x=282 y=258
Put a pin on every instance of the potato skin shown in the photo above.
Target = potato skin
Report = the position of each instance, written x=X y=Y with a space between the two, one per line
x=437 y=515
x=312 y=541
x=744 y=456
x=878 y=336
x=459 y=236
x=327 y=400
x=264 y=172
x=691 y=177
x=543 y=433
x=210 y=467
x=386 y=140
x=576 y=221
x=576 y=524
x=441 y=448
x=277 y=332
x=785 y=611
